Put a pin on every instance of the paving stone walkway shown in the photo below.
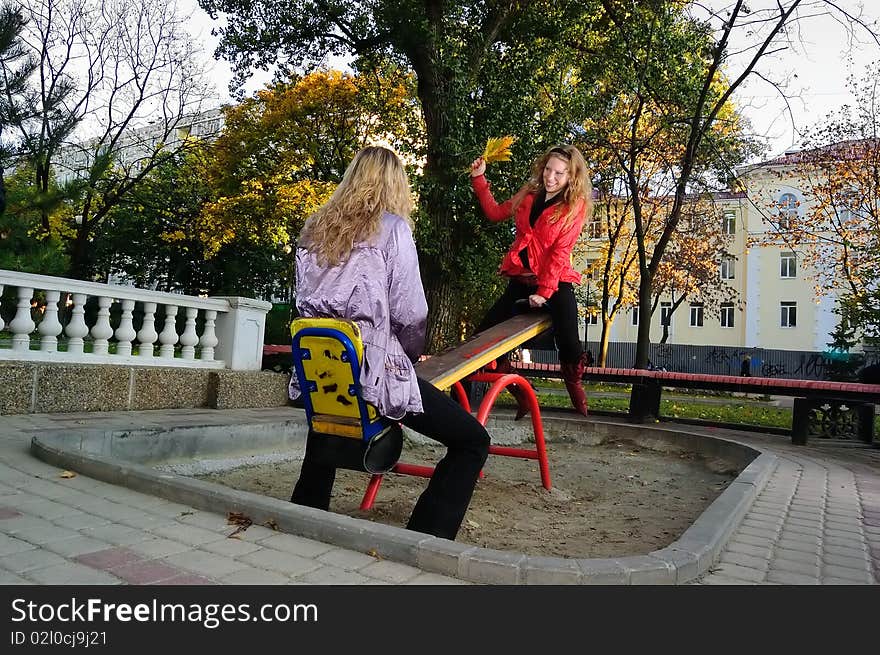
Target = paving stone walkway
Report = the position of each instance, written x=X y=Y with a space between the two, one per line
x=817 y=521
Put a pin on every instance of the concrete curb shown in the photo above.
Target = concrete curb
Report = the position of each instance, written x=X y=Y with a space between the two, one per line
x=685 y=559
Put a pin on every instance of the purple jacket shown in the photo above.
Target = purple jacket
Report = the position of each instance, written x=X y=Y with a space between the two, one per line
x=378 y=287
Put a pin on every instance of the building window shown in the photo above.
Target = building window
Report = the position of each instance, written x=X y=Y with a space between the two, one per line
x=588 y=271
x=788 y=211
x=634 y=316
x=697 y=314
x=666 y=314
x=727 y=314
x=728 y=222
x=593 y=318
x=787 y=264
x=594 y=227
x=728 y=263
x=788 y=312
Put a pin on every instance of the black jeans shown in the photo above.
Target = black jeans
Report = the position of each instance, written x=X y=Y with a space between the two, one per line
x=563 y=311
x=442 y=506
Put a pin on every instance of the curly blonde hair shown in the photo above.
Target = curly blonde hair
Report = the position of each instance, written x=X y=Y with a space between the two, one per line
x=374 y=182
x=578 y=190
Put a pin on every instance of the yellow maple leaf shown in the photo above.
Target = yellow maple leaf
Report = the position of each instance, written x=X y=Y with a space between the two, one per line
x=498 y=149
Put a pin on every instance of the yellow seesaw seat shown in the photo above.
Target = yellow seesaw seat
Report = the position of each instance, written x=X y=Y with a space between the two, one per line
x=327 y=357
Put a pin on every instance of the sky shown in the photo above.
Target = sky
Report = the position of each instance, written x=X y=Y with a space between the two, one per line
x=817 y=73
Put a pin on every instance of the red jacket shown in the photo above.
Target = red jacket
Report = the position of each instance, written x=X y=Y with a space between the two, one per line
x=548 y=245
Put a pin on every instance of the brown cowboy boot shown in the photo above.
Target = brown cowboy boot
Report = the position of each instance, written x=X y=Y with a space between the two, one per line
x=502 y=365
x=573 y=373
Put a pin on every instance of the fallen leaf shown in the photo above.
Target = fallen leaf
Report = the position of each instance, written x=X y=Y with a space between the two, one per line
x=373 y=553
x=67 y=474
x=271 y=524
x=243 y=522
x=473 y=524
x=238 y=518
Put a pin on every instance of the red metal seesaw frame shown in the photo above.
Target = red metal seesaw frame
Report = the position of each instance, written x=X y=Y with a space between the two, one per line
x=499 y=382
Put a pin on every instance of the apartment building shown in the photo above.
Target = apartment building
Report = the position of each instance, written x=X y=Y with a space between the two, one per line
x=778 y=306
x=139 y=144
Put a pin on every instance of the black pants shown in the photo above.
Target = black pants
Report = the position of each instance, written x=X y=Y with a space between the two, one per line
x=563 y=311
x=442 y=506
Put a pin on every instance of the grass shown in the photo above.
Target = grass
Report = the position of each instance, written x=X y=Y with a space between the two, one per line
x=734 y=412
x=611 y=387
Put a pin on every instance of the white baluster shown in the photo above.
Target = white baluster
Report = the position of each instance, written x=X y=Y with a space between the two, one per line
x=22 y=325
x=189 y=338
x=1 y=303
x=101 y=330
x=209 y=337
x=77 y=328
x=169 y=333
x=125 y=333
x=147 y=335
x=50 y=326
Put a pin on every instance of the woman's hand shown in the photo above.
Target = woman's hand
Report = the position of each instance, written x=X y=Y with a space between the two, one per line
x=478 y=167
x=536 y=301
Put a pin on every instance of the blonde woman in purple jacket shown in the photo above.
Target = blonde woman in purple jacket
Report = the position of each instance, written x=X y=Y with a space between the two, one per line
x=356 y=259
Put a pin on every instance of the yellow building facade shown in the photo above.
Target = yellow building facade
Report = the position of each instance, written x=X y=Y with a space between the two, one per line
x=777 y=303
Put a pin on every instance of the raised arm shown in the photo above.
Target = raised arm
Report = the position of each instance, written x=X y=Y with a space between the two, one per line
x=493 y=211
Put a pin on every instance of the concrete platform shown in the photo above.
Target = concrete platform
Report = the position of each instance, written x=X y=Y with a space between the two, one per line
x=797 y=515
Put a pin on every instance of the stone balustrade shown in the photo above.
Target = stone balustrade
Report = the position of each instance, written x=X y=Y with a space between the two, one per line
x=50 y=324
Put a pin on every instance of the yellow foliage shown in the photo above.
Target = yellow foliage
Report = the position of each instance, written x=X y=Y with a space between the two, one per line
x=498 y=149
x=177 y=235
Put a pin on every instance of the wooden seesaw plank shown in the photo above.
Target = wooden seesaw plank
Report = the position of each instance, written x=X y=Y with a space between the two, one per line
x=458 y=362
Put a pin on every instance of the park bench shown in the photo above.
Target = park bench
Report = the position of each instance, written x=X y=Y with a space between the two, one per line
x=327 y=355
x=824 y=409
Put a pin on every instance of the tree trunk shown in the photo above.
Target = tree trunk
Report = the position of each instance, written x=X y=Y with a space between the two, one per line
x=602 y=355
x=643 y=342
x=81 y=265
x=437 y=248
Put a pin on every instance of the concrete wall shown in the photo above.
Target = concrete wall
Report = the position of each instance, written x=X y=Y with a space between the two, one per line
x=27 y=388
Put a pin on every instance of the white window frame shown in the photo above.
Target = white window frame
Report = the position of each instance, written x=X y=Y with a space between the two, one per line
x=589 y=273
x=728 y=267
x=788 y=314
x=787 y=265
x=728 y=222
x=697 y=314
x=726 y=315
x=634 y=317
x=788 y=211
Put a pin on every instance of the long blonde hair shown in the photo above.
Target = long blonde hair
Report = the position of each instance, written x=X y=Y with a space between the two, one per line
x=374 y=182
x=578 y=190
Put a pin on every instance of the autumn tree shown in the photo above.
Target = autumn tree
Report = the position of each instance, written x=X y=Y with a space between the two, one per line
x=608 y=253
x=679 y=130
x=481 y=69
x=693 y=94
x=837 y=232
x=690 y=268
x=116 y=81
x=151 y=235
x=283 y=151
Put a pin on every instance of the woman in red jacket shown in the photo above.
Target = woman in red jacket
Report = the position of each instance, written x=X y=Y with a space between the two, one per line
x=549 y=211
